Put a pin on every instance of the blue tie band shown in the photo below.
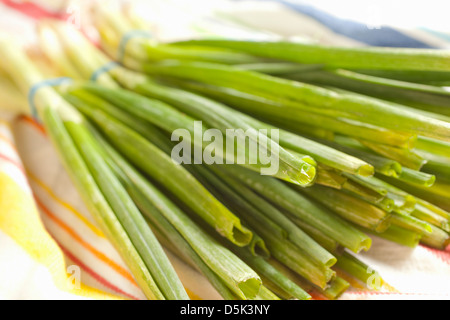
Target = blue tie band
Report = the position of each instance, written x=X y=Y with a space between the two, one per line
x=127 y=37
x=106 y=68
x=46 y=83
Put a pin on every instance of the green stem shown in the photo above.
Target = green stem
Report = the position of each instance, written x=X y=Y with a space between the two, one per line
x=352 y=209
x=410 y=223
x=401 y=236
x=339 y=57
x=437 y=239
x=430 y=99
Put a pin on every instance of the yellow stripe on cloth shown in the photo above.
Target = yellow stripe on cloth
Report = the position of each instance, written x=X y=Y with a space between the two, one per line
x=20 y=220
x=65 y=204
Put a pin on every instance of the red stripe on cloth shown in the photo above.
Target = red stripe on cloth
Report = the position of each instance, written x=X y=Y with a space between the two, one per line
x=317 y=296
x=378 y=293
x=37 y=12
x=94 y=275
x=34 y=123
x=33 y=10
x=76 y=237
x=444 y=255
x=14 y=163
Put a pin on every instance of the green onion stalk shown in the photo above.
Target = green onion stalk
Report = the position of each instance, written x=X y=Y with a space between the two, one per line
x=371 y=58
x=334 y=290
x=433 y=78
x=399 y=235
x=431 y=99
x=350 y=208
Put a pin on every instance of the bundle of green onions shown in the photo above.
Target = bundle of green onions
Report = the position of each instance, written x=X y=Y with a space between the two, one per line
x=361 y=153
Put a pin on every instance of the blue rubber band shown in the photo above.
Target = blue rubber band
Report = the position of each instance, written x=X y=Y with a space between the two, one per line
x=127 y=37
x=46 y=83
x=106 y=68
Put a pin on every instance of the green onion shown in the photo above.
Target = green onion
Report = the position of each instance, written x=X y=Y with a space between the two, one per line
x=437 y=239
x=405 y=157
x=358 y=190
x=434 y=78
x=334 y=290
x=417 y=177
x=173 y=241
x=410 y=223
x=236 y=203
x=272 y=274
x=281 y=281
x=352 y=209
x=434 y=146
x=438 y=194
x=431 y=99
x=428 y=215
x=381 y=164
x=54 y=51
x=279 y=68
x=339 y=57
x=330 y=178
x=359 y=153
x=11 y=97
x=356 y=268
x=99 y=207
x=402 y=200
x=324 y=240
x=85 y=63
x=266 y=294
x=401 y=236
x=337 y=287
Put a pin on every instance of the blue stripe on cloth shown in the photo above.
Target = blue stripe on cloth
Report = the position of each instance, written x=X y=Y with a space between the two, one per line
x=441 y=35
x=382 y=37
